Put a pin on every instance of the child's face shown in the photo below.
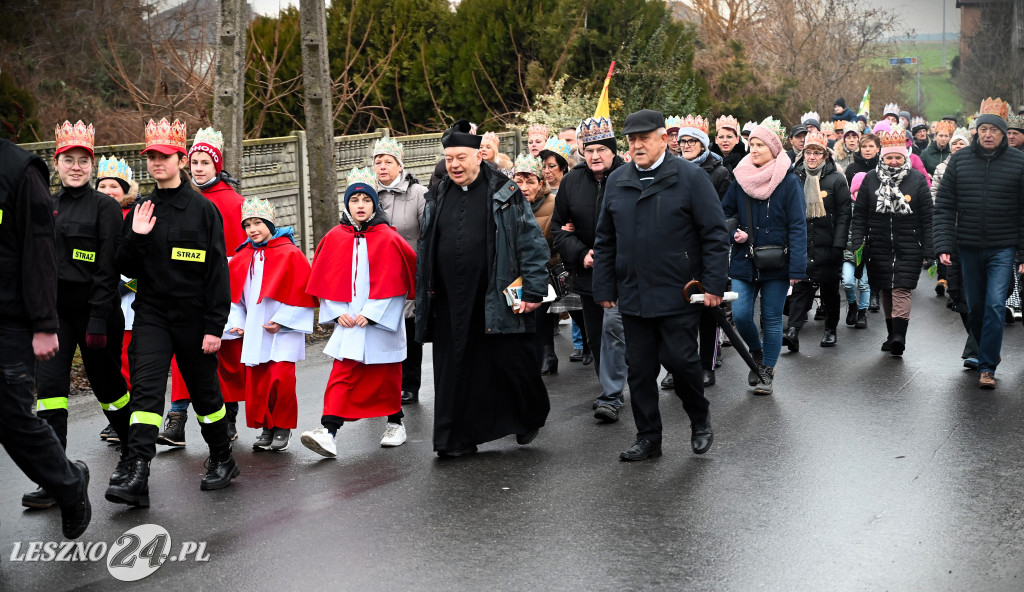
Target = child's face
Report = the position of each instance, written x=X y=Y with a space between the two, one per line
x=360 y=207
x=256 y=229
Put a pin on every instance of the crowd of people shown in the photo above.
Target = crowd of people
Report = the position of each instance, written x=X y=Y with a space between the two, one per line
x=484 y=262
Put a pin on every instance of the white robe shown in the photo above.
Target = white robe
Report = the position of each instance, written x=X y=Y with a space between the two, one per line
x=258 y=346
x=382 y=343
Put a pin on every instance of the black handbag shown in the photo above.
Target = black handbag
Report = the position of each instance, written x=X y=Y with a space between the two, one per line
x=560 y=280
x=769 y=257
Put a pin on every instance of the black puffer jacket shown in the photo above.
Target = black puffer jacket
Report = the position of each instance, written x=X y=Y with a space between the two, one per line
x=721 y=176
x=827 y=235
x=860 y=165
x=579 y=201
x=978 y=204
x=896 y=245
x=734 y=157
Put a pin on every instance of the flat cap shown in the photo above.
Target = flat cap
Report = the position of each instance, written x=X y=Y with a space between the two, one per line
x=644 y=120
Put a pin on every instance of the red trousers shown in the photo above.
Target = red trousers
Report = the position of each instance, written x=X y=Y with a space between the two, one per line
x=124 y=358
x=270 y=400
x=230 y=372
x=356 y=390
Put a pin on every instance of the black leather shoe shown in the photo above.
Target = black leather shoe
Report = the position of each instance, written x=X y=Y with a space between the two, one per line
x=873 y=304
x=851 y=315
x=75 y=518
x=220 y=470
x=135 y=490
x=576 y=355
x=588 y=359
x=457 y=452
x=792 y=339
x=606 y=413
x=709 y=378
x=668 y=382
x=124 y=464
x=829 y=339
x=39 y=499
x=409 y=398
x=819 y=313
x=524 y=439
x=641 y=450
x=702 y=437
x=862 y=320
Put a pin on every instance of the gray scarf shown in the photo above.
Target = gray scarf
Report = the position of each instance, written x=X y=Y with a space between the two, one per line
x=890 y=199
x=812 y=190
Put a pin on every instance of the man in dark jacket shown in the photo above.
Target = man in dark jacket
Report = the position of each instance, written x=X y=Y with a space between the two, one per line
x=661 y=226
x=978 y=211
x=841 y=112
x=28 y=332
x=573 y=228
x=479 y=238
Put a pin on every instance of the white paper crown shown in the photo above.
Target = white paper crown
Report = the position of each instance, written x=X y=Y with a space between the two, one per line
x=114 y=168
x=209 y=136
x=390 y=147
x=673 y=122
x=827 y=126
x=918 y=121
x=891 y=109
x=258 y=208
x=809 y=116
x=774 y=125
x=362 y=175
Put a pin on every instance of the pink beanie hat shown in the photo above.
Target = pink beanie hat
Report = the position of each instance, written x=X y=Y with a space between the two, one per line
x=769 y=138
x=882 y=126
x=855 y=185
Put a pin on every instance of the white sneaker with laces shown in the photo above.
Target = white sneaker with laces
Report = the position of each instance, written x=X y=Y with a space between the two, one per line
x=321 y=442
x=394 y=435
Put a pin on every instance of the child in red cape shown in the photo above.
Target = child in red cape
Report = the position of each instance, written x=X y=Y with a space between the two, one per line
x=363 y=272
x=270 y=316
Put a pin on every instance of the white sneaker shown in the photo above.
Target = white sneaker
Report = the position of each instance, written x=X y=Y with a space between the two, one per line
x=321 y=442
x=394 y=435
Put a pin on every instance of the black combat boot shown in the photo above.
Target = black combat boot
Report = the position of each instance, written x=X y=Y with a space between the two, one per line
x=124 y=464
x=220 y=469
x=862 y=320
x=851 y=315
x=899 y=336
x=888 y=339
x=135 y=489
x=174 y=429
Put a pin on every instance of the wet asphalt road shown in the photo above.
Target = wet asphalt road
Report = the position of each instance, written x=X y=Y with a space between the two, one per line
x=862 y=472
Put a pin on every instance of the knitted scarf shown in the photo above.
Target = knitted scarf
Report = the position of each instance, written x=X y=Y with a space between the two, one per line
x=890 y=198
x=760 y=182
x=812 y=190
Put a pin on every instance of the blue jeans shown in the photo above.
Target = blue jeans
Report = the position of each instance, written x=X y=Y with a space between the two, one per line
x=773 y=298
x=577 y=336
x=852 y=286
x=987 y=275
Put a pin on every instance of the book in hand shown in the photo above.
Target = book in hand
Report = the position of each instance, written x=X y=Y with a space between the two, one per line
x=514 y=294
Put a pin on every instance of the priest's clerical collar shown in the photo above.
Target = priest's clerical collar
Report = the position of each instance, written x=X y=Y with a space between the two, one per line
x=475 y=182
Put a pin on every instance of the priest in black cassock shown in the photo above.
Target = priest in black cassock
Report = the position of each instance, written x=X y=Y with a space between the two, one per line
x=479 y=237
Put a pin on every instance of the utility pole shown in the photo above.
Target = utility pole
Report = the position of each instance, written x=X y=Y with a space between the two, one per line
x=229 y=82
x=919 y=84
x=945 y=64
x=316 y=78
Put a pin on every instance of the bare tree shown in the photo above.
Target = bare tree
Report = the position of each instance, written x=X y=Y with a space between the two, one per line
x=268 y=89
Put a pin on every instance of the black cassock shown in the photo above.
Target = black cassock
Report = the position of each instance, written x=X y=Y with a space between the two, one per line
x=486 y=386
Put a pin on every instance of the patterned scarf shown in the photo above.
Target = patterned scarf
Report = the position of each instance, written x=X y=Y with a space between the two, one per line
x=890 y=198
x=812 y=190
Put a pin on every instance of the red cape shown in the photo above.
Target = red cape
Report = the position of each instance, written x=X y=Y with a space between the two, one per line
x=229 y=202
x=392 y=264
x=285 y=273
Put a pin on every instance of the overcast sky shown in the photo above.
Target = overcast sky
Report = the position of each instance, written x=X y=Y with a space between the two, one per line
x=924 y=16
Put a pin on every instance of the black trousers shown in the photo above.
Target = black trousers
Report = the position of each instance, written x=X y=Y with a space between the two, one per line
x=544 y=336
x=664 y=341
x=28 y=439
x=708 y=337
x=593 y=318
x=802 y=299
x=102 y=367
x=577 y=317
x=158 y=334
x=412 y=365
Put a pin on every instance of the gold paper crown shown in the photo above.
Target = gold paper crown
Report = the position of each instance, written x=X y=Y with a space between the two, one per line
x=696 y=122
x=894 y=138
x=827 y=126
x=815 y=138
x=595 y=129
x=389 y=146
x=537 y=129
x=559 y=147
x=775 y=126
x=673 y=122
x=258 y=208
x=75 y=136
x=809 y=116
x=995 y=106
x=891 y=109
x=526 y=163
x=172 y=135
x=727 y=121
x=493 y=138
x=362 y=175
x=208 y=135
x=945 y=126
x=840 y=125
x=113 y=168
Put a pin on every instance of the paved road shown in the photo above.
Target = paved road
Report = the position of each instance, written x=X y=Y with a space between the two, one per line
x=863 y=472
